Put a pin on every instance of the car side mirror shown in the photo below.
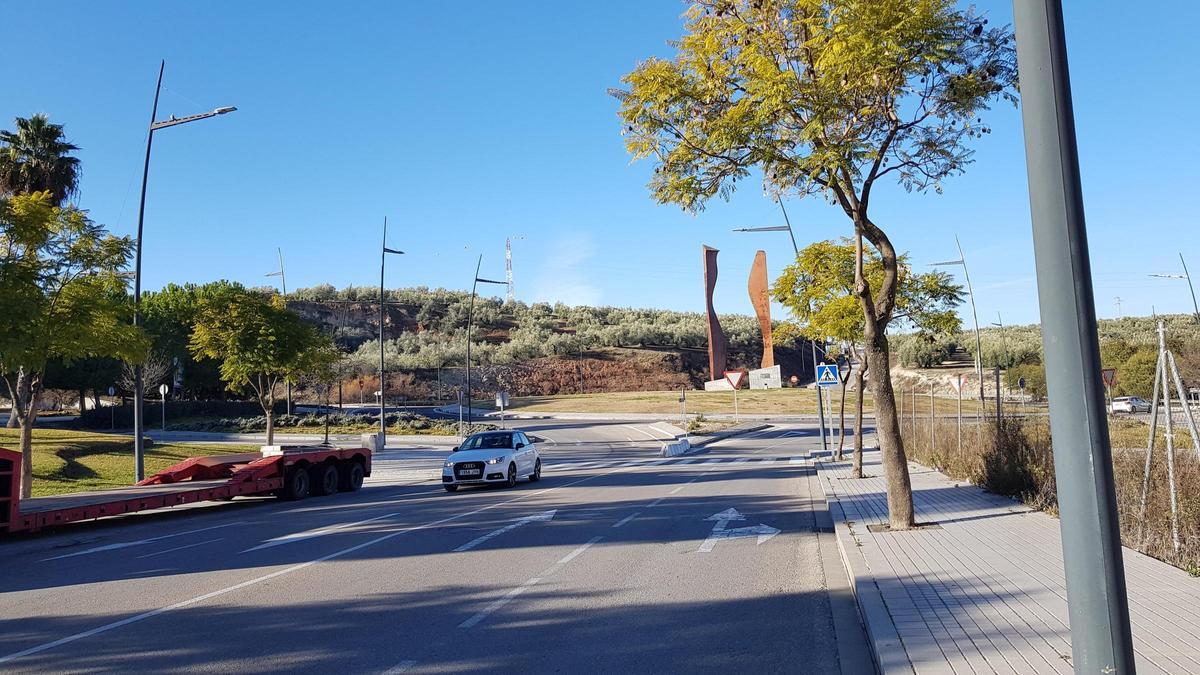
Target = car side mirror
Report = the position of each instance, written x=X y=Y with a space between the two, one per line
x=454 y=449
x=518 y=446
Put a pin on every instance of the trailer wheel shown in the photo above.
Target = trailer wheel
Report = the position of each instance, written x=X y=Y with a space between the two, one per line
x=296 y=484
x=324 y=479
x=350 y=476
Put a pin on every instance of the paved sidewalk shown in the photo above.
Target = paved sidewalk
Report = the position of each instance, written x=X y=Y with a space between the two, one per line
x=984 y=591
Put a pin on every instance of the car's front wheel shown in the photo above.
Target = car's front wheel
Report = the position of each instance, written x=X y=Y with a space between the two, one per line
x=512 y=475
x=451 y=488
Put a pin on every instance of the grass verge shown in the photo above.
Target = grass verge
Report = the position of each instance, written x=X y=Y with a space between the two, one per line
x=78 y=461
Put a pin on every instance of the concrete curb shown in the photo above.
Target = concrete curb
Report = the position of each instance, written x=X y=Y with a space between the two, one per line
x=887 y=650
x=703 y=441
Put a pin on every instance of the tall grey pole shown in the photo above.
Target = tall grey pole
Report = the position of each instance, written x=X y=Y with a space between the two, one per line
x=811 y=344
x=139 y=450
x=1186 y=275
x=382 y=370
x=283 y=285
x=975 y=317
x=1095 y=573
x=470 y=317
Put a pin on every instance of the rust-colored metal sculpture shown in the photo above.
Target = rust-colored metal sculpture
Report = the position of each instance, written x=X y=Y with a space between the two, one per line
x=716 y=337
x=762 y=305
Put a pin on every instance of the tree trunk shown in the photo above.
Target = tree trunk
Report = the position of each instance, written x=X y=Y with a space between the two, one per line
x=271 y=425
x=856 y=465
x=887 y=430
x=20 y=396
x=842 y=423
x=28 y=417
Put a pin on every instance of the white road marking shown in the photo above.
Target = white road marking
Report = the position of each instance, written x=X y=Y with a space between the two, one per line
x=715 y=460
x=37 y=649
x=763 y=531
x=655 y=502
x=797 y=460
x=740 y=460
x=302 y=536
x=628 y=518
x=645 y=433
x=537 y=517
x=402 y=667
x=767 y=460
x=180 y=548
x=508 y=597
x=138 y=542
x=576 y=553
x=677 y=489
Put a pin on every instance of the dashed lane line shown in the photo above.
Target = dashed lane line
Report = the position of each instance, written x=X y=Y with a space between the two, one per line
x=46 y=646
x=628 y=518
x=180 y=548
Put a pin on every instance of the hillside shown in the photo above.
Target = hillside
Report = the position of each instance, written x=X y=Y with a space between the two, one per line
x=527 y=349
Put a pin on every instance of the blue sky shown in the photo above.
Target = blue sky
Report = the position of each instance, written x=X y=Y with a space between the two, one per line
x=468 y=122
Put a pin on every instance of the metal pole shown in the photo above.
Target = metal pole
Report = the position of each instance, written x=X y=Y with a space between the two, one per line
x=1187 y=406
x=996 y=371
x=164 y=411
x=138 y=395
x=470 y=317
x=1162 y=363
x=283 y=284
x=932 y=437
x=1186 y=275
x=975 y=318
x=958 y=389
x=382 y=370
x=820 y=406
x=1095 y=572
x=1154 y=399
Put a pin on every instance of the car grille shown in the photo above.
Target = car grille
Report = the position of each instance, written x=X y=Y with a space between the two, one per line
x=476 y=466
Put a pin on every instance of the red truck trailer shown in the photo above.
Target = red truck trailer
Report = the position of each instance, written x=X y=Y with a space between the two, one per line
x=289 y=472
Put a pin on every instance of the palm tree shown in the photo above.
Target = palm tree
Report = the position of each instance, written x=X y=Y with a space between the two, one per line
x=36 y=157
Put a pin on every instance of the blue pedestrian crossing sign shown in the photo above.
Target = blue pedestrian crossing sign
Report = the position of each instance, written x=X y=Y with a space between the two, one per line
x=827 y=375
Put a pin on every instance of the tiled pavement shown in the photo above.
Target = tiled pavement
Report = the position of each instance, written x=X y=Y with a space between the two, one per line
x=983 y=591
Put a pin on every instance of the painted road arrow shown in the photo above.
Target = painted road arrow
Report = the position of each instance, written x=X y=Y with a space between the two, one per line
x=535 y=518
x=720 y=531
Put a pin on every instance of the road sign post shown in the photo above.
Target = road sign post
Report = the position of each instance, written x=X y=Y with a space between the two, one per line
x=734 y=378
x=683 y=411
x=932 y=421
x=112 y=410
x=162 y=391
x=501 y=402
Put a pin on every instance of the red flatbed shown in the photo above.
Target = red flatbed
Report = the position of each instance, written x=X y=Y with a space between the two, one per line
x=291 y=472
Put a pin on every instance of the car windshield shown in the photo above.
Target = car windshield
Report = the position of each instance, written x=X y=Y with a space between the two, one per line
x=487 y=441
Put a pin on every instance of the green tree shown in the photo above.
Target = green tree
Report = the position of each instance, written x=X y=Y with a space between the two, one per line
x=818 y=289
x=824 y=99
x=169 y=316
x=1135 y=377
x=62 y=296
x=36 y=158
x=1034 y=375
x=260 y=344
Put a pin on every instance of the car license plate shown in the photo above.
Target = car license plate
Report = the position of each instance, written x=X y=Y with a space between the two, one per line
x=470 y=472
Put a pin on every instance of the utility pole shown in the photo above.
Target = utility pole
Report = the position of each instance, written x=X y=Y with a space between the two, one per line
x=1098 y=606
x=283 y=284
x=1188 y=277
x=962 y=261
x=382 y=368
x=1117 y=300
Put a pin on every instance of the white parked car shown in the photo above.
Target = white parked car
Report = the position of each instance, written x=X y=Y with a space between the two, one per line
x=1130 y=404
x=492 y=457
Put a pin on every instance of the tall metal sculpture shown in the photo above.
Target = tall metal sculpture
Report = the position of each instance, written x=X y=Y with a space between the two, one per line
x=762 y=305
x=716 y=337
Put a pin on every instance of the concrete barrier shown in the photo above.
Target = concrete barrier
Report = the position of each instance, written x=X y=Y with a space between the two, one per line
x=372 y=441
x=680 y=447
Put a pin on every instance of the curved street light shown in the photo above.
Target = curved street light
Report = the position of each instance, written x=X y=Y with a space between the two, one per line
x=138 y=394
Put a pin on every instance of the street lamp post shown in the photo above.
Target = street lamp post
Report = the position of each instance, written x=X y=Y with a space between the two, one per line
x=138 y=394
x=962 y=260
x=812 y=344
x=382 y=372
x=283 y=284
x=1188 y=277
x=470 y=317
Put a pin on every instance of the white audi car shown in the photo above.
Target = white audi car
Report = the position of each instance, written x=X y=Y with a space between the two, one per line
x=492 y=457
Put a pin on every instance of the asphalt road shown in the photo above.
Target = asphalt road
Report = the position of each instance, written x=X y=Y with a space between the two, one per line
x=618 y=560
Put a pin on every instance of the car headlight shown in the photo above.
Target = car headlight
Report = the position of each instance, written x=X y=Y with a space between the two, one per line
x=449 y=465
x=496 y=460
